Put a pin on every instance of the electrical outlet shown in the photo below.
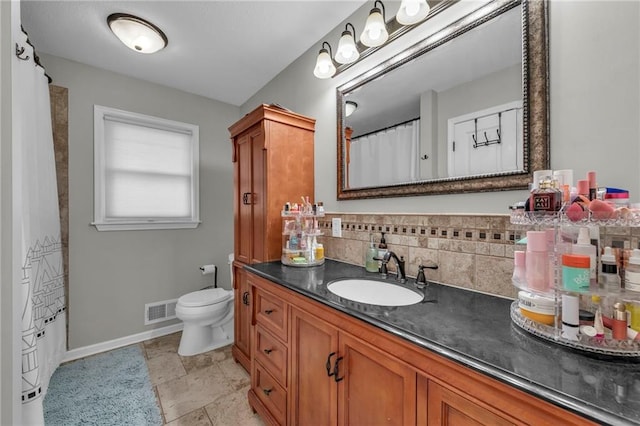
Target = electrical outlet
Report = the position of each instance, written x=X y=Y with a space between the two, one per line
x=336 y=227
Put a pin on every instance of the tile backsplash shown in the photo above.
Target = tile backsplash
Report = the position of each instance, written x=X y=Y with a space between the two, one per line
x=471 y=251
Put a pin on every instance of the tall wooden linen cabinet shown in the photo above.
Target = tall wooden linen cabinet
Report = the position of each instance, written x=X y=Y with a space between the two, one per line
x=273 y=163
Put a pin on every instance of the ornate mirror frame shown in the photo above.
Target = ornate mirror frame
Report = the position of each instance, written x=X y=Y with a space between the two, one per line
x=535 y=86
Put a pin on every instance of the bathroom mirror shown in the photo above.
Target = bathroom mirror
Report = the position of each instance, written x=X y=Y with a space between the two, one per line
x=479 y=91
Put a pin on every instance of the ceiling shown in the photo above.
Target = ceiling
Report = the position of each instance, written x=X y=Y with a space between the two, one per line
x=223 y=50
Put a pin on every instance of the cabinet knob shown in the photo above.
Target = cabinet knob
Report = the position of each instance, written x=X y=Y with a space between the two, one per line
x=268 y=311
x=245 y=298
x=267 y=391
x=267 y=351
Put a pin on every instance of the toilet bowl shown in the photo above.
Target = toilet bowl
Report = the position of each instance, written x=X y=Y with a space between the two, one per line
x=208 y=320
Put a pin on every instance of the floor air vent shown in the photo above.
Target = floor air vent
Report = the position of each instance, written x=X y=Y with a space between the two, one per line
x=159 y=311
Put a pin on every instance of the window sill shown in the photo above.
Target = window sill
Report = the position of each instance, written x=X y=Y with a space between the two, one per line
x=140 y=226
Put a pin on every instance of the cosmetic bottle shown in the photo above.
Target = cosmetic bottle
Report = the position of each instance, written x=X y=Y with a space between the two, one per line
x=608 y=278
x=619 y=321
x=593 y=188
x=575 y=272
x=565 y=182
x=519 y=269
x=583 y=246
x=570 y=316
x=547 y=197
x=537 y=261
x=632 y=273
x=371 y=264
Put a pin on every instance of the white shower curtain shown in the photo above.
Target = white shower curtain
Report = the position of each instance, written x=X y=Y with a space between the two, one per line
x=386 y=157
x=41 y=277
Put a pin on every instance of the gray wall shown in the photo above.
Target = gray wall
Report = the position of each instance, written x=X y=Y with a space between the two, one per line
x=594 y=107
x=113 y=274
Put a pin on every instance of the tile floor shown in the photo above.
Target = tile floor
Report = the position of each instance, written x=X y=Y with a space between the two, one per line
x=209 y=389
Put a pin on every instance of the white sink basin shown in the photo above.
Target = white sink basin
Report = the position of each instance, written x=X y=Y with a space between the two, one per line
x=374 y=292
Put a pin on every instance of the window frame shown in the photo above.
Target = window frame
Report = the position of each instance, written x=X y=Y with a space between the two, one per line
x=103 y=223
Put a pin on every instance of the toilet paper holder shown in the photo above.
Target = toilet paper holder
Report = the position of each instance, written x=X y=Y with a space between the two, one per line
x=210 y=269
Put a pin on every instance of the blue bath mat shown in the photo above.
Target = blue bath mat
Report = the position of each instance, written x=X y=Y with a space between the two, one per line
x=112 y=388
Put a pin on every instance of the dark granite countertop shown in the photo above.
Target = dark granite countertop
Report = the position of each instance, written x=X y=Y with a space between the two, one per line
x=476 y=330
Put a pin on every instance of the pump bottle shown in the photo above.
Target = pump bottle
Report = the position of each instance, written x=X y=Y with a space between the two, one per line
x=584 y=246
x=371 y=264
x=608 y=278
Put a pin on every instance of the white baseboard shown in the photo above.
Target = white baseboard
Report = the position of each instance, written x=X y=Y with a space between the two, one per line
x=120 y=342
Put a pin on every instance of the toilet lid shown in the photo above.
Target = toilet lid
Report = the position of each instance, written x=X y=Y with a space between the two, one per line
x=205 y=297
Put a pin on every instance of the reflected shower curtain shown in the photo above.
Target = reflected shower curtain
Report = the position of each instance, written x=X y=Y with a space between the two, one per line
x=386 y=157
x=41 y=278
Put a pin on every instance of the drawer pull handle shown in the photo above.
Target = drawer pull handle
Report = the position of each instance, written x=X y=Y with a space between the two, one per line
x=245 y=298
x=267 y=351
x=268 y=311
x=328 y=366
x=267 y=391
x=335 y=370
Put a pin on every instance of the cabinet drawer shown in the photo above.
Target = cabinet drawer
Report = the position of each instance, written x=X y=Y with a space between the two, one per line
x=270 y=393
x=271 y=313
x=272 y=354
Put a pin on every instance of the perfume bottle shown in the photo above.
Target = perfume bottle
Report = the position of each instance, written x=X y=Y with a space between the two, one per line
x=547 y=197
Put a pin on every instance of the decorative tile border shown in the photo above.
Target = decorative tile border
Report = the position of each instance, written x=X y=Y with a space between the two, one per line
x=472 y=251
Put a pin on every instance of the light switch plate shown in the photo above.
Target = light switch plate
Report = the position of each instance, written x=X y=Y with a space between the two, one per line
x=336 y=227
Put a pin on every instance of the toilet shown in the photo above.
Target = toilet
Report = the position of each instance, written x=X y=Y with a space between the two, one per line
x=208 y=320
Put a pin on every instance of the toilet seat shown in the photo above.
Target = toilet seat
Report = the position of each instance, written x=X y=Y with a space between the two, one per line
x=209 y=296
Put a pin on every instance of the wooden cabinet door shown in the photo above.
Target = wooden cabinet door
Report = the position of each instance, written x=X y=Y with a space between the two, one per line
x=375 y=388
x=248 y=193
x=313 y=393
x=242 y=318
x=444 y=407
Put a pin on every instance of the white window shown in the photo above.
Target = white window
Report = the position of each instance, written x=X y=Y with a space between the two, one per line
x=146 y=172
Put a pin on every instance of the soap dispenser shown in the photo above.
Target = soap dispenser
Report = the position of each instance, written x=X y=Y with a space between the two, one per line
x=382 y=247
x=371 y=264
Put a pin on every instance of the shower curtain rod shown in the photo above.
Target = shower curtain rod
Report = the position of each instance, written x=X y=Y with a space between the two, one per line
x=36 y=58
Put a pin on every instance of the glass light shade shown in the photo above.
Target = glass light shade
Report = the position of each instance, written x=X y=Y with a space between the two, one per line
x=412 y=11
x=375 y=30
x=347 y=50
x=324 y=65
x=349 y=108
x=136 y=33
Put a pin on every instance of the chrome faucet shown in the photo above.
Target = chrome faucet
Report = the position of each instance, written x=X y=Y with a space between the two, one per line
x=400 y=274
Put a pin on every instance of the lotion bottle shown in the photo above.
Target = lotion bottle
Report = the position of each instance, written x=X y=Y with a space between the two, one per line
x=584 y=246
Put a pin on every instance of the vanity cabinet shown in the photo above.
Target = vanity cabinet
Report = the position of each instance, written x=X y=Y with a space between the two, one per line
x=273 y=163
x=336 y=377
x=379 y=378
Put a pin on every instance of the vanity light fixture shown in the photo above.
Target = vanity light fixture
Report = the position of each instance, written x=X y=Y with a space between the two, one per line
x=347 y=50
x=349 y=108
x=324 y=65
x=136 y=33
x=375 y=29
x=412 y=11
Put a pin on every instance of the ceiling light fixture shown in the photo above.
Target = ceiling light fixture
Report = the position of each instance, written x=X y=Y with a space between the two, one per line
x=412 y=11
x=349 y=108
x=347 y=50
x=375 y=29
x=324 y=65
x=136 y=33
